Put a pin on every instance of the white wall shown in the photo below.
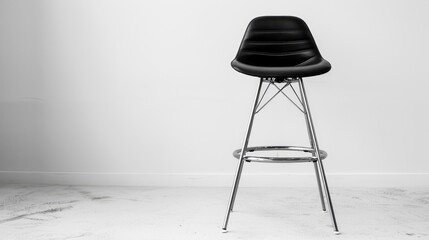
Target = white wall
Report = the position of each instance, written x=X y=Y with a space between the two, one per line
x=141 y=92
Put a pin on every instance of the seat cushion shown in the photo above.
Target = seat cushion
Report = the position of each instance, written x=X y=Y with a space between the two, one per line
x=279 y=46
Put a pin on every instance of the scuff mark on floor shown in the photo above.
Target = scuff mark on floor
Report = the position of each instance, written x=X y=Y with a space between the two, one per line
x=51 y=210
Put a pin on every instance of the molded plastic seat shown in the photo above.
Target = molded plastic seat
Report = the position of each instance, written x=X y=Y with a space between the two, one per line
x=279 y=46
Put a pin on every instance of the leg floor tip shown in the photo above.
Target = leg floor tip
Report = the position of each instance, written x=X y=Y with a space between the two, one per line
x=224 y=230
x=337 y=232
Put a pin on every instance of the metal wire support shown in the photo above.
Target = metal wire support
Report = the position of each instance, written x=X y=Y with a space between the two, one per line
x=317 y=153
x=275 y=82
x=241 y=160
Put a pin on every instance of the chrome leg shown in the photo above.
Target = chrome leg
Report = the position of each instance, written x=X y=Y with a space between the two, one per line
x=316 y=168
x=319 y=184
x=317 y=152
x=241 y=160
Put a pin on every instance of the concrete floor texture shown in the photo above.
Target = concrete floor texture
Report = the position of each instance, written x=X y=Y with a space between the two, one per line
x=74 y=212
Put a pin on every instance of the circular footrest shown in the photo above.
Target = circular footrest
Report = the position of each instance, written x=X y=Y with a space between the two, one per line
x=269 y=159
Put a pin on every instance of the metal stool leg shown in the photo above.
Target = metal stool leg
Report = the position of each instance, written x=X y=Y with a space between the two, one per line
x=319 y=184
x=241 y=160
x=317 y=152
x=316 y=168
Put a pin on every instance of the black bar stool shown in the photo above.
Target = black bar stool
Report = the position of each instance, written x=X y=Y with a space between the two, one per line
x=280 y=50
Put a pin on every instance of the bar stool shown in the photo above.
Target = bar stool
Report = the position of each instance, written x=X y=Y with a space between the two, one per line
x=280 y=50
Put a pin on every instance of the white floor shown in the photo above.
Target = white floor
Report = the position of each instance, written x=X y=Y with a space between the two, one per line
x=65 y=212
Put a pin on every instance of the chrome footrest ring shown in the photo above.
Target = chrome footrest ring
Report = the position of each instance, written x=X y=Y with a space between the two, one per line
x=252 y=158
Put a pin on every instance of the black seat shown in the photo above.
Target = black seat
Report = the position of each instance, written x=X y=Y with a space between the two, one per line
x=279 y=46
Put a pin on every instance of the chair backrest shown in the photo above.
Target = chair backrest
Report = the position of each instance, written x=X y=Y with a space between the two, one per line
x=277 y=41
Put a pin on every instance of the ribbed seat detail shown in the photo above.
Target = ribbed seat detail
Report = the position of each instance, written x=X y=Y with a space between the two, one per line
x=279 y=46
